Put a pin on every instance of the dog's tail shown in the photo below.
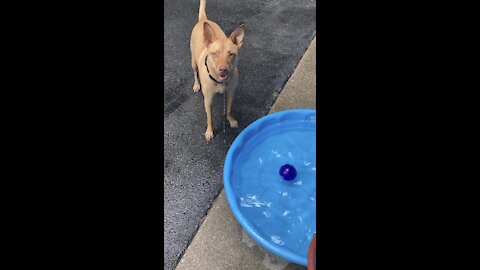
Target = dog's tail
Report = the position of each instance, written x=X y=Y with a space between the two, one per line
x=201 y=11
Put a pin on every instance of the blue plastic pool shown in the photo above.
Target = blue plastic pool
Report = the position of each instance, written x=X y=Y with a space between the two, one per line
x=277 y=214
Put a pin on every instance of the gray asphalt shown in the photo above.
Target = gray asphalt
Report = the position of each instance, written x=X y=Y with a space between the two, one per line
x=277 y=34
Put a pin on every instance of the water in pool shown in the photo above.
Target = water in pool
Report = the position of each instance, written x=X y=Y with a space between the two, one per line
x=281 y=211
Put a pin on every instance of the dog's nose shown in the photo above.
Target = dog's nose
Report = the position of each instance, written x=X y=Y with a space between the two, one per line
x=223 y=69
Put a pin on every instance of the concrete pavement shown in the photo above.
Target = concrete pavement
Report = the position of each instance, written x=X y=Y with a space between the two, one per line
x=221 y=243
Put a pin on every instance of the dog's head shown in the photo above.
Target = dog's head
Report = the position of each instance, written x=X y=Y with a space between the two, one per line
x=223 y=52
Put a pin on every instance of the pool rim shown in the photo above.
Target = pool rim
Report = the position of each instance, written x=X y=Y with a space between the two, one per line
x=275 y=249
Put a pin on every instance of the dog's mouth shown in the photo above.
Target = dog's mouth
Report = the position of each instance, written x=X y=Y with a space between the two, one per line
x=222 y=77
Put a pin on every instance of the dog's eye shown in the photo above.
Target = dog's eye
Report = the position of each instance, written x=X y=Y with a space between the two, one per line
x=231 y=54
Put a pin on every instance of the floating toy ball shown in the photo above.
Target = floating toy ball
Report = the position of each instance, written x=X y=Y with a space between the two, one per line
x=288 y=172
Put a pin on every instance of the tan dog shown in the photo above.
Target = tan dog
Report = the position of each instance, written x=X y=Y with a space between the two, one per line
x=214 y=63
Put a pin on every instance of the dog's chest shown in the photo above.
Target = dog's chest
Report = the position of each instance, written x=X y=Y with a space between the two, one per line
x=217 y=88
x=220 y=88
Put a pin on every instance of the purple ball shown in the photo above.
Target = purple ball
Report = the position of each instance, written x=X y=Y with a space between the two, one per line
x=288 y=172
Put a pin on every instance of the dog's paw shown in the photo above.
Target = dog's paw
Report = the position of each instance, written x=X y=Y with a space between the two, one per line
x=196 y=88
x=209 y=134
x=233 y=122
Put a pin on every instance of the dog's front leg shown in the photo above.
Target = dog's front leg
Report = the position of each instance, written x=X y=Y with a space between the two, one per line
x=207 y=97
x=196 y=84
x=230 y=95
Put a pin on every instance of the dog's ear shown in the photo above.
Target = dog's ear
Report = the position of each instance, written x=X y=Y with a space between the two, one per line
x=208 y=34
x=237 y=36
